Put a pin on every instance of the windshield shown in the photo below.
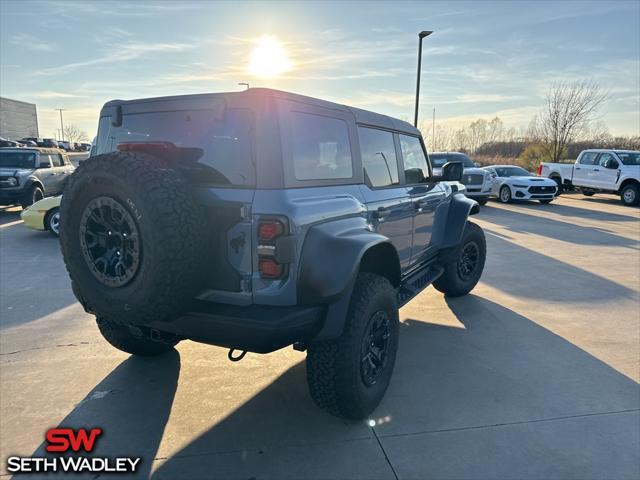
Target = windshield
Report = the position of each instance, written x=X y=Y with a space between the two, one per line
x=512 y=172
x=439 y=159
x=17 y=159
x=629 y=158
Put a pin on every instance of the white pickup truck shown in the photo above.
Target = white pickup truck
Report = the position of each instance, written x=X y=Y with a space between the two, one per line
x=599 y=171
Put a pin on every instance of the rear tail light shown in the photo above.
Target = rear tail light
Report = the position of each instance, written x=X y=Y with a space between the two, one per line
x=269 y=268
x=269 y=231
x=540 y=170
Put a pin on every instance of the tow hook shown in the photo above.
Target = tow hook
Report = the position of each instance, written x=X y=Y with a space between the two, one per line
x=236 y=358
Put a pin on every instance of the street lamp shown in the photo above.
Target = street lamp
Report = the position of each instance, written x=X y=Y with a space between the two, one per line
x=421 y=35
x=61 y=124
x=245 y=84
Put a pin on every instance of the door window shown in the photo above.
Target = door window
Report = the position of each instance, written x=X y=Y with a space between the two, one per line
x=588 y=158
x=57 y=160
x=415 y=161
x=44 y=159
x=320 y=147
x=378 y=157
x=606 y=157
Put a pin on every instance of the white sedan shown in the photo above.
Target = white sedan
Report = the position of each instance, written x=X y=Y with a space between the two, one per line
x=515 y=183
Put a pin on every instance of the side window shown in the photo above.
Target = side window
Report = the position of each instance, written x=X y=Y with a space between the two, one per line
x=378 y=157
x=415 y=162
x=604 y=158
x=57 y=160
x=44 y=159
x=320 y=147
x=588 y=158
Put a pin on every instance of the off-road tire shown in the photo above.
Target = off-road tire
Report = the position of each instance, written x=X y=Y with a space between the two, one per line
x=170 y=229
x=505 y=197
x=33 y=195
x=632 y=196
x=452 y=282
x=49 y=220
x=129 y=340
x=334 y=371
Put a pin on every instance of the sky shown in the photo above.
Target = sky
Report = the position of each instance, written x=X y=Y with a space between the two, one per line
x=484 y=59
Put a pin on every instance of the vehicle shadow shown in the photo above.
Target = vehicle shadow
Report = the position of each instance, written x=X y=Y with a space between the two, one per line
x=552 y=280
x=498 y=367
x=132 y=406
x=537 y=224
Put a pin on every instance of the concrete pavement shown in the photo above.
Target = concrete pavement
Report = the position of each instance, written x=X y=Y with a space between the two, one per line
x=534 y=375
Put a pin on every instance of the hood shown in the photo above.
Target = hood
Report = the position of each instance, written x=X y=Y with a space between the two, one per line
x=16 y=172
x=532 y=180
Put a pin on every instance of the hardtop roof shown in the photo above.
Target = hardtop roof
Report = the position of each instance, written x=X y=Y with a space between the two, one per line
x=33 y=149
x=361 y=116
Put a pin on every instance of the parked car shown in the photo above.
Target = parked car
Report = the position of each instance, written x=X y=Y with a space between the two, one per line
x=5 y=142
x=43 y=215
x=64 y=145
x=30 y=174
x=510 y=182
x=475 y=179
x=599 y=171
x=50 y=143
x=260 y=219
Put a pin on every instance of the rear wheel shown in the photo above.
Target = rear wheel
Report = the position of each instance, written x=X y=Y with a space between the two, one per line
x=349 y=376
x=629 y=195
x=132 y=340
x=505 y=194
x=52 y=221
x=558 y=181
x=465 y=264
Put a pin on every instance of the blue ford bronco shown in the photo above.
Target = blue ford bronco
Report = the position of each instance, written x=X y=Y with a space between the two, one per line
x=261 y=219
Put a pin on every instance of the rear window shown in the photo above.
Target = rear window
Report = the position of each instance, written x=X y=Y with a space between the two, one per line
x=320 y=147
x=224 y=144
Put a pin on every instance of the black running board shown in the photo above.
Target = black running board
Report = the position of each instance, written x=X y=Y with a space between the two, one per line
x=418 y=281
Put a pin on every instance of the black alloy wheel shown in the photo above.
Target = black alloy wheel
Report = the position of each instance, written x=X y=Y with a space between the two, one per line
x=375 y=348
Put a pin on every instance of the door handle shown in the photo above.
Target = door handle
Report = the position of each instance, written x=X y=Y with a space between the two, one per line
x=381 y=212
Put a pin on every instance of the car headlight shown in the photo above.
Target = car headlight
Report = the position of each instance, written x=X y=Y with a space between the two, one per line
x=520 y=186
x=12 y=181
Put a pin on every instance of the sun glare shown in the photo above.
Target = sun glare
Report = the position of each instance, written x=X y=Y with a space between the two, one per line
x=269 y=59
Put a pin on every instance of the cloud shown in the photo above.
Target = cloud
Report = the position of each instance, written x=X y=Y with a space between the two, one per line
x=124 y=53
x=31 y=42
x=49 y=94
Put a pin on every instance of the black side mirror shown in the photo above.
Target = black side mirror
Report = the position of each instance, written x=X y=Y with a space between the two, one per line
x=414 y=175
x=452 y=171
x=611 y=163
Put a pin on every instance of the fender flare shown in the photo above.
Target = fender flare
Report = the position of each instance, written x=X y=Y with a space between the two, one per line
x=329 y=264
x=449 y=232
x=31 y=181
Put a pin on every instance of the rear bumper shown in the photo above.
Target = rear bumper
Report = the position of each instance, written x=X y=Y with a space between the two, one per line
x=254 y=328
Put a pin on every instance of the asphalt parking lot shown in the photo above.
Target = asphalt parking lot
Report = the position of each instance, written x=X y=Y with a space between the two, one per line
x=534 y=375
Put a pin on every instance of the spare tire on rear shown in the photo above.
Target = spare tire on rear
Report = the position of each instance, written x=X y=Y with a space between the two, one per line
x=131 y=235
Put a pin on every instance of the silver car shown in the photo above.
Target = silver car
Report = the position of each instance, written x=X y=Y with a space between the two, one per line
x=476 y=180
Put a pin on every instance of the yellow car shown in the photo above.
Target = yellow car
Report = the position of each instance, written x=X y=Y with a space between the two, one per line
x=43 y=215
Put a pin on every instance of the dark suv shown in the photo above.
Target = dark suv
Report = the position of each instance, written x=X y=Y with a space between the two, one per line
x=261 y=219
x=30 y=174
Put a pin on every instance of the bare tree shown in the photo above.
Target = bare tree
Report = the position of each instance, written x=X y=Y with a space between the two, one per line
x=569 y=108
x=72 y=133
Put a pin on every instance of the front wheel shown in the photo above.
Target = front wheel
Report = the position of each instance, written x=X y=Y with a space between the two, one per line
x=465 y=263
x=52 y=221
x=35 y=194
x=505 y=194
x=629 y=195
x=130 y=340
x=349 y=376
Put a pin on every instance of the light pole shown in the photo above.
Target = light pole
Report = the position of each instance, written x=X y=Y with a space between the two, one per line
x=61 y=124
x=421 y=35
x=245 y=84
